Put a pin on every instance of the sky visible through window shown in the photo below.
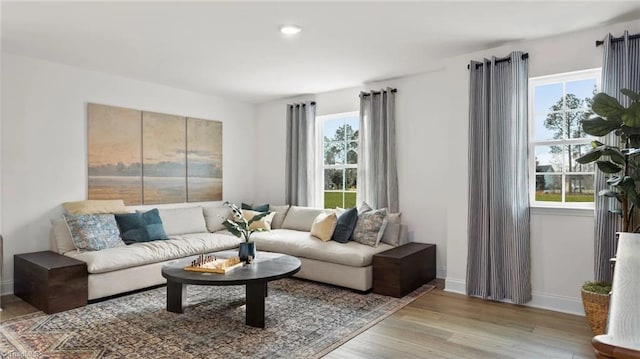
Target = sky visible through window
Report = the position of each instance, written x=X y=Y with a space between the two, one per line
x=331 y=126
x=546 y=96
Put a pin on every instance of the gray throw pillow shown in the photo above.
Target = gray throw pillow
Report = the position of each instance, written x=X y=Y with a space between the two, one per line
x=391 y=234
x=345 y=226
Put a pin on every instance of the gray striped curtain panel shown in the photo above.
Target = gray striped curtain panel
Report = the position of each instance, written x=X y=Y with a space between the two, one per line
x=498 y=264
x=620 y=69
x=300 y=166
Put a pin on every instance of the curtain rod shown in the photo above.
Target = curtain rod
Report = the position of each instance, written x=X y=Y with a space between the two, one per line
x=616 y=39
x=394 y=90
x=503 y=59
x=301 y=104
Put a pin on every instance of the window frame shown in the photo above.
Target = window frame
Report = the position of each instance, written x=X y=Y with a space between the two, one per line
x=320 y=120
x=547 y=80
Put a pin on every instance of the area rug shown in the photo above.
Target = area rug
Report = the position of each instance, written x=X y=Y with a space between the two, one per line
x=303 y=320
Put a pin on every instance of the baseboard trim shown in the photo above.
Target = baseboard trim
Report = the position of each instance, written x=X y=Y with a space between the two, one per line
x=547 y=301
x=6 y=287
x=556 y=303
x=455 y=286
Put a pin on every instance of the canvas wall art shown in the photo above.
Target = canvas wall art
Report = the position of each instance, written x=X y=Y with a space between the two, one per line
x=152 y=158
x=115 y=153
x=204 y=160
x=164 y=164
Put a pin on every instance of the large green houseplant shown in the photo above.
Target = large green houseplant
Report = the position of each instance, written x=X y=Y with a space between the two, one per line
x=622 y=166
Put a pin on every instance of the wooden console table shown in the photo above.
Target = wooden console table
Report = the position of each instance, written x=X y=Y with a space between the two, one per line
x=400 y=270
x=49 y=281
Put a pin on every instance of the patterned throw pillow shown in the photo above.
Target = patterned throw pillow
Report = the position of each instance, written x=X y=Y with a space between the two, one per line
x=93 y=232
x=370 y=227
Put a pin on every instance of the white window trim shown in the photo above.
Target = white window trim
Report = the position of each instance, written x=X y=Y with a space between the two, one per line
x=545 y=80
x=319 y=192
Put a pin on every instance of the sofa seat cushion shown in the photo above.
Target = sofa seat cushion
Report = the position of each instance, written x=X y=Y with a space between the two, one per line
x=304 y=245
x=138 y=254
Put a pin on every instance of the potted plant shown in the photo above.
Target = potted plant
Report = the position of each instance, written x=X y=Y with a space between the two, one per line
x=240 y=227
x=622 y=166
x=595 y=300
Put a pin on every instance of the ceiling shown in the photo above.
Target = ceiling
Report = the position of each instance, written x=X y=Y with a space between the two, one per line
x=234 y=49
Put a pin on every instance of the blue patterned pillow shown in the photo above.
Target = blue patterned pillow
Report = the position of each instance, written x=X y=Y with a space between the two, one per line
x=370 y=227
x=93 y=232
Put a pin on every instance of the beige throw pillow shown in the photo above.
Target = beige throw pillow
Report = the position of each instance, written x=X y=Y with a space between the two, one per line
x=95 y=207
x=264 y=222
x=324 y=225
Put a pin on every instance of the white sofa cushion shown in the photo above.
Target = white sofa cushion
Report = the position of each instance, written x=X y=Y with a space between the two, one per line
x=281 y=213
x=138 y=254
x=303 y=244
x=212 y=217
x=301 y=218
x=182 y=220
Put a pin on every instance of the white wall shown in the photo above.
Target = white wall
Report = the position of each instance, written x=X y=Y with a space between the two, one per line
x=432 y=121
x=44 y=157
x=421 y=120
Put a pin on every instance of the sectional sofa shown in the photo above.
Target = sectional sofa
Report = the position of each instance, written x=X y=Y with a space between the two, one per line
x=197 y=230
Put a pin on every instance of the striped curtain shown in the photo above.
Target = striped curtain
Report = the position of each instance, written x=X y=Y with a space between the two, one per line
x=301 y=164
x=498 y=264
x=620 y=69
x=377 y=166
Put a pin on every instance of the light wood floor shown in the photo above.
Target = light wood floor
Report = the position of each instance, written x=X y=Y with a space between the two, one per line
x=447 y=325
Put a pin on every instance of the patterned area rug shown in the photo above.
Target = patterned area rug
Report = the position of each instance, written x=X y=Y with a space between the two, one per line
x=303 y=320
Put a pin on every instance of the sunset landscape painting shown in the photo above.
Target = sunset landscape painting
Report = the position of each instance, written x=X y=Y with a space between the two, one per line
x=146 y=157
x=164 y=163
x=204 y=160
x=114 y=144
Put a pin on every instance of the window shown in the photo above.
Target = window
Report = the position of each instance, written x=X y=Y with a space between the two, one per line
x=557 y=103
x=339 y=162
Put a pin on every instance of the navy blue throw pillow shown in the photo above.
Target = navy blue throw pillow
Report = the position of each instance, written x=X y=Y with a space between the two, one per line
x=141 y=227
x=260 y=208
x=345 y=226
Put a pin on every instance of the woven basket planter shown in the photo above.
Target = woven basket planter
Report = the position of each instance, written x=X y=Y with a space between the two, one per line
x=596 y=307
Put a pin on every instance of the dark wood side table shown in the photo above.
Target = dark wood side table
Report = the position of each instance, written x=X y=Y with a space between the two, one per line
x=398 y=271
x=49 y=281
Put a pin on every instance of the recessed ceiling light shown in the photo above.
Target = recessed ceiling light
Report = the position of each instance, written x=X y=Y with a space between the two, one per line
x=290 y=29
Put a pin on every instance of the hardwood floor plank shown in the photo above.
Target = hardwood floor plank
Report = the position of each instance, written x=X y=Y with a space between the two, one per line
x=449 y=325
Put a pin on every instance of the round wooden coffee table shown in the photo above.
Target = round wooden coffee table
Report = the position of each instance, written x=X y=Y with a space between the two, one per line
x=266 y=267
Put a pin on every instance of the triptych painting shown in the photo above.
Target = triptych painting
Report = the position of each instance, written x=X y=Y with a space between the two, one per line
x=152 y=158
